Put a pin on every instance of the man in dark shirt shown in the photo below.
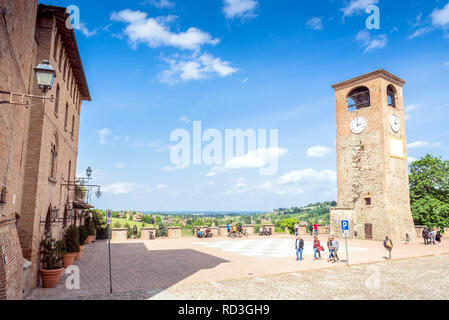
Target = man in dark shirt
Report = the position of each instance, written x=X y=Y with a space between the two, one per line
x=425 y=235
x=299 y=246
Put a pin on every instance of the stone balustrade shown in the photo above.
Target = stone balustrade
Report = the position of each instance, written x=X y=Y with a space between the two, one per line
x=148 y=233
x=119 y=234
x=174 y=232
x=223 y=230
x=215 y=231
x=269 y=226
x=249 y=228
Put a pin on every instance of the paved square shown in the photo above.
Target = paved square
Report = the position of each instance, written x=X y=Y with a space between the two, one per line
x=268 y=248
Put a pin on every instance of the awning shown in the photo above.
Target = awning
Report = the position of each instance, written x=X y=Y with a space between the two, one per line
x=82 y=205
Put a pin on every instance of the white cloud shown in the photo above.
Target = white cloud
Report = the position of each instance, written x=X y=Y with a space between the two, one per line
x=371 y=43
x=259 y=158
x=318 y=151
x=408 y=109
x=178 y=167
x=240 y=8
x=161 y=186
x=420 y=31
x=119 y=188
x=440 y=17
x=195 y=67
x=357 y=6
x=161 y=4
x=411 y=159
x=184 y=119
x=423 y=144
x=84 y=30
x=120 y=165
x=315 y=23
x=155 y=32
x=308 y=176
x=104 y=134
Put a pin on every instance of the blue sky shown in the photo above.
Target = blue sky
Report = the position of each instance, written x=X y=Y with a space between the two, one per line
x=157 y=65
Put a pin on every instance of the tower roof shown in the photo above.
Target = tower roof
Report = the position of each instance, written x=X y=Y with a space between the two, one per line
x=379 y=73
x=70 y=45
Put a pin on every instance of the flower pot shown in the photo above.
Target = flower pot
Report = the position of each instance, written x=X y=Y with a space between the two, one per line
x=88 y=240
x=50 y=278
x=68 y=259
x=80 y=253
x=92 y=238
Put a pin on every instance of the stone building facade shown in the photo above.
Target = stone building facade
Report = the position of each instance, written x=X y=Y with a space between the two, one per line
x=372 y=165
x=39 y=143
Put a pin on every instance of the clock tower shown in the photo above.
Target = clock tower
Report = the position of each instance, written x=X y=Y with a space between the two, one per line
x=372 y=165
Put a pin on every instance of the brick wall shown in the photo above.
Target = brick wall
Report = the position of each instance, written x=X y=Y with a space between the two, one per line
x=49 y=124
x=17 y=56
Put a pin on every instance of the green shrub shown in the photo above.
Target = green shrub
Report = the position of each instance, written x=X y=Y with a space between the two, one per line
x=51 y=253
x=101 y=227
x=72 y=239
x=84 y=233
x=117 y=224
x=289 y=223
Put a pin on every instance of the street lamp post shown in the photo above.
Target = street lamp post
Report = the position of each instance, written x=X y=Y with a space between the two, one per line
x=45 y=76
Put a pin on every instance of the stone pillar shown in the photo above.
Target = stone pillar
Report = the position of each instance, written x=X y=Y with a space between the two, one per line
x=215 y=231
x=223 y=231
x=249 y=228
x=145 y=233
x=269 y=226
x=174 y=232
x=119 y=234
x=446 y=233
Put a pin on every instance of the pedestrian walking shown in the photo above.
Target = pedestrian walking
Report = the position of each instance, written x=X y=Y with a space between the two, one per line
x=425 y=235
x=296 y=228
x=433 y=235
x=315 y=228
x=438 y=237
x=299 y=246
x=335 y=246
x=388 y=245
x=316 y=248
x=135 y=231
x=311 y=229
x=329 y=247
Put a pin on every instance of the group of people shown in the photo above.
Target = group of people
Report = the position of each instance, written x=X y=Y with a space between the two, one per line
x=203 y=233
x=234 y=228
x=313 y=229
x=332 y=245
x=431 y=236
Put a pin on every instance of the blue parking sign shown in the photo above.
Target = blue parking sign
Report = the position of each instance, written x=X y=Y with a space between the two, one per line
x=344 y=225
x=109 y=216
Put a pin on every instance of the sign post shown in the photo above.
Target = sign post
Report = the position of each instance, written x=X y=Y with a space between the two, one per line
x=109 y=221
x=345 y=229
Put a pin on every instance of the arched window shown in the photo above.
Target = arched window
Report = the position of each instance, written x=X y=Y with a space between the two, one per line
x=73 y=127
x=66 y=117
x=61 y=52
x=358 y=98
x=54 y=157
x=47 y=230
x=391 y=96
x=55 y=46
x=57 y=99
x=65 y=69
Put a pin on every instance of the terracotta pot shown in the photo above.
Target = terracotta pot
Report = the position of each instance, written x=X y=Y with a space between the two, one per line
x=94 y=237
x=80 y=253
x=50 y=278
x=68 y=259
x=88 y=240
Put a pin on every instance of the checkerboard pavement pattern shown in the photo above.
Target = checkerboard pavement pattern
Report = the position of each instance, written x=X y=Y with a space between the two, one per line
x=266 y=248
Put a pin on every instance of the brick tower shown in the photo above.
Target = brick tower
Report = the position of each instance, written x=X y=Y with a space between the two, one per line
x=372 y=165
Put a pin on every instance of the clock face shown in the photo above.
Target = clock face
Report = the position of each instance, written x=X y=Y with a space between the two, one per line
x=358 y=125
x=395 y=124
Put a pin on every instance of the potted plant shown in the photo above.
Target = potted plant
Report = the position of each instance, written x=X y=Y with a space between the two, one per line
x=72 y=245
x=51 y=258
x=83 y=233
x=91 y=229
